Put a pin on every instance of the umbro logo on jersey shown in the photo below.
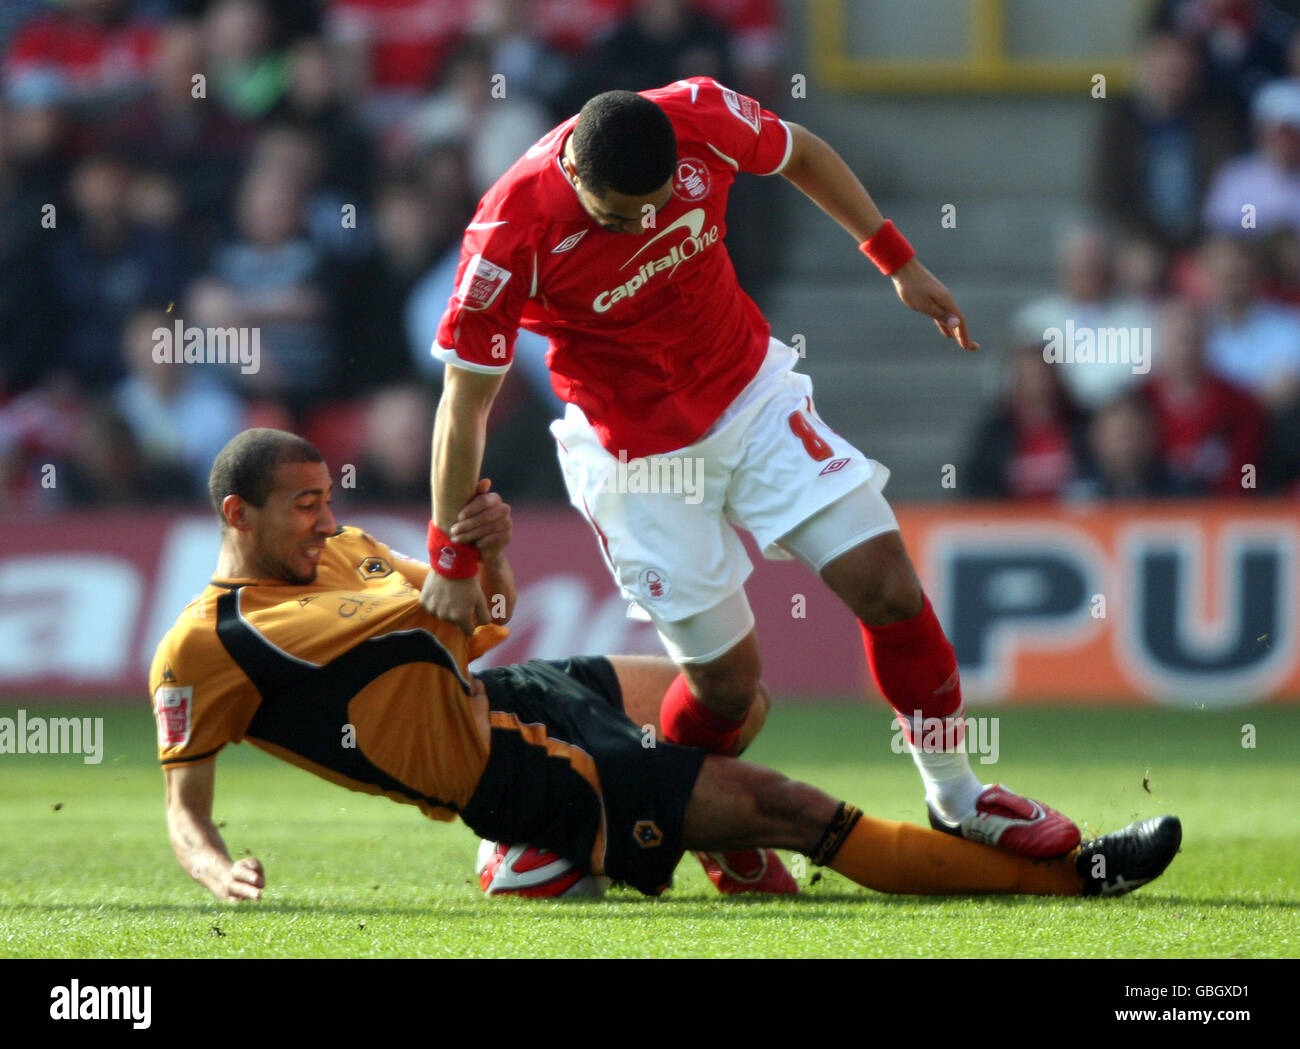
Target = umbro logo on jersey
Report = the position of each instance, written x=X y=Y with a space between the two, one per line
x=568 y=242
x=833 y=465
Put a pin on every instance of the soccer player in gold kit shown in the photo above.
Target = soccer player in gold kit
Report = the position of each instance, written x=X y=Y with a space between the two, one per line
x=311 y=643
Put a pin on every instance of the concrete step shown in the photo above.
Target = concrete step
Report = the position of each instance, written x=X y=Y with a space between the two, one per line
x=1009 y=237
x=863 y=316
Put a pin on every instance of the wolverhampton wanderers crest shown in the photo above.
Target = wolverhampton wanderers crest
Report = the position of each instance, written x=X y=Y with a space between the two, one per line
x=374 y=568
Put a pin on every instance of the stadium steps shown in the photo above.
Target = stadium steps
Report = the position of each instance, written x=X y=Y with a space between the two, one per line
x=887 y=382
x=996 y=237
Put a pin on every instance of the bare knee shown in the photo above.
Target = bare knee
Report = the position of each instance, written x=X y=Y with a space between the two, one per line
x=729 y=685
x=898 y=597
x=877 y=581
x=756 y=718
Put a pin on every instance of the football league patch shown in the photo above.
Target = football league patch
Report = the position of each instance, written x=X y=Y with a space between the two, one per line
x=481 y=284
x=171 y=706
x=743 y=108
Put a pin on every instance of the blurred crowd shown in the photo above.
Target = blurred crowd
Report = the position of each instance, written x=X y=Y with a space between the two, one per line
x=303 y=169
x=1191 y=263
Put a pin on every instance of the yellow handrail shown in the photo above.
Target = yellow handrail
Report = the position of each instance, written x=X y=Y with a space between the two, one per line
x=986 y=67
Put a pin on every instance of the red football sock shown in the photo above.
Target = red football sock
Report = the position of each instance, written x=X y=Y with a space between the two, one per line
x=687 y=721
x=914 y=665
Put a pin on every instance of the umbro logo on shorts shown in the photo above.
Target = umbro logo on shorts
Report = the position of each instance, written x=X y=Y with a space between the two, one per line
x=833 y=465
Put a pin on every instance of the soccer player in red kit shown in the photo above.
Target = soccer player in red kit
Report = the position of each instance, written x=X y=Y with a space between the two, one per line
x=607 y=237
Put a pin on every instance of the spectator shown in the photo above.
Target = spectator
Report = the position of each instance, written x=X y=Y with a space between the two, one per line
x=178 y=130
x=1244 y=42
x=14 y=15
x=1124 y=456
x=391 y=51
x=38 y=431
x=92 y=54
x=394 y=465
x=1281 y=468
x=1250 y=342
x=248 y=75
x=27 y=305
x=535 y=43
x=270 y=279
x=372 y=293
x=1088 y=301
x=1260 y=192
x=571 y=27
x=395 y=461
x=109 y=469
x=314 y=104
x=1281 y=262
x=661 y=41
x=1141 y=272
x=1159 y=145
x=104 y=265
x=330 y=213
x=180 y=415
x=1207 y=429
x=1033 y=444
x=756 y=43
x=494 y=131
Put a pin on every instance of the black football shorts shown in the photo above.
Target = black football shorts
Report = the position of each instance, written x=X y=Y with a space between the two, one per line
x=568 y=771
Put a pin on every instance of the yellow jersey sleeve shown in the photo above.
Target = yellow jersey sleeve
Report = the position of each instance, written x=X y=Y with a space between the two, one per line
x=201 y=699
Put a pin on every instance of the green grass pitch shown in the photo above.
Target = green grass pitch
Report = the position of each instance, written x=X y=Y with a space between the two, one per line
x=86 y=871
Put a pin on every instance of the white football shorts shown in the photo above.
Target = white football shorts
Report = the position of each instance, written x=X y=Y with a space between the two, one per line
x=666 y=522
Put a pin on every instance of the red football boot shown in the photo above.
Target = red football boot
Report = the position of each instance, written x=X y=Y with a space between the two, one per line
x=748 y=870
x=1017 y=825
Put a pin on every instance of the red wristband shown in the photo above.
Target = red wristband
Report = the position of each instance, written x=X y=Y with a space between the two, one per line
x=887 y=248
x=451 y=560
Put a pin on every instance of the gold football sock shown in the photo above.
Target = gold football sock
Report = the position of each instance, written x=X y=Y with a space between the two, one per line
x=901 y=857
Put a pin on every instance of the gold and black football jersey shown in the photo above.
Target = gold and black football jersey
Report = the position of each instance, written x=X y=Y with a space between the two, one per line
x=348 y=677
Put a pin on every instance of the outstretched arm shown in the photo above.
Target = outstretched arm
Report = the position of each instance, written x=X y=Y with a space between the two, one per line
x=823 y=176
x=197 y=842
x=459 y=436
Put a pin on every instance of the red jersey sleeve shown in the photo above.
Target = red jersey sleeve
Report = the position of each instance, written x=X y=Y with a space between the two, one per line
x=738 y=129
x=493 y=283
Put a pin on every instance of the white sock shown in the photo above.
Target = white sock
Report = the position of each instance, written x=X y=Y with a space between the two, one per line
x=951 y=788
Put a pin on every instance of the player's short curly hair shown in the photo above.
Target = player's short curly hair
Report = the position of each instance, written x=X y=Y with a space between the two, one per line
x=625 y=143
x=246 y=465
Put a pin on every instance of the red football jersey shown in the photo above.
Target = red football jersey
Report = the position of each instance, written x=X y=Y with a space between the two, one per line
x=651 y=335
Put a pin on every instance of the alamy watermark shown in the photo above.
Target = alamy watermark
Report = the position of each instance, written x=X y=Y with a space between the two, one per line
x=957 y=735
x=658 y=474
x=186 y=344
x=1088 y=345
x=93 y=1002
x=39 y=735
